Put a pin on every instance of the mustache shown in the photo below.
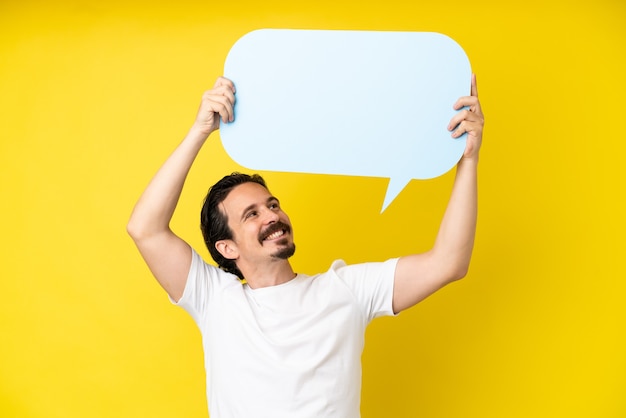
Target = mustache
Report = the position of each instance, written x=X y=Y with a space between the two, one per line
x=277 y=226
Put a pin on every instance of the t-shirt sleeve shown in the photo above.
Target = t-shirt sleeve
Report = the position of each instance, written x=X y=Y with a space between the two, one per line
x=201 y=280
x=371 y=284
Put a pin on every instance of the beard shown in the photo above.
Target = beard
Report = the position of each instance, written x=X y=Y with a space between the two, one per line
x=285 y=252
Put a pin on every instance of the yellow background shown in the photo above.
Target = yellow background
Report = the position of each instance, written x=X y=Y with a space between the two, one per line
x=95 y=95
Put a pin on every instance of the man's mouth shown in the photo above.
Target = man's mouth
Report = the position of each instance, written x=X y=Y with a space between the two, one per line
x=274 y=231
x=275 y=235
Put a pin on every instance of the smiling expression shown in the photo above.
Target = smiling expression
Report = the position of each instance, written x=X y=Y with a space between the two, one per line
x=260 y=228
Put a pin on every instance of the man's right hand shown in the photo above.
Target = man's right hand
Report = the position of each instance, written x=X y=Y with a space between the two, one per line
x=216 y=103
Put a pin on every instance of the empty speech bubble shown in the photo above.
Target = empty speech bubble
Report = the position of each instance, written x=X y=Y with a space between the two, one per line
x=356 y=103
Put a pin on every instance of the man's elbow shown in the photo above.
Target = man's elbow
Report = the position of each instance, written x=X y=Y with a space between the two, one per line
x=458 y=272
x=460 y=275
x=455 y=264
x=459 y=264
x=136 y=229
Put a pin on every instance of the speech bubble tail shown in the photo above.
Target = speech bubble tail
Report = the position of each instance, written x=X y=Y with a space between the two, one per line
x=393 y=189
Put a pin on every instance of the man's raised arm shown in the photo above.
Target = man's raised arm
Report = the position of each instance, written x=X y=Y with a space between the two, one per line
x=166 y=254
x=419 y=275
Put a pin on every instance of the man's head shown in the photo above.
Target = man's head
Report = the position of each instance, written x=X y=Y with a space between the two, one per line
x=240 y=219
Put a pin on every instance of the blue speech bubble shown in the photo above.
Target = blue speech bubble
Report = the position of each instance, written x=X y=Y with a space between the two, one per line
x=356 y=103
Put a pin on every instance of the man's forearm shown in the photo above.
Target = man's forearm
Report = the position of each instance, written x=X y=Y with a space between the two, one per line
x=455 y=240
x=154 y=210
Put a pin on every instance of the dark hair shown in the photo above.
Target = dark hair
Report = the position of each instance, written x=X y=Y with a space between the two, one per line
x=214 y=223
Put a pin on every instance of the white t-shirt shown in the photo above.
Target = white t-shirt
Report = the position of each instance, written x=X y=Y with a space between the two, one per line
x=292 y=350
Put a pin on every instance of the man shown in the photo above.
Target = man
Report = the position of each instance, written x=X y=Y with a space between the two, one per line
x=283 y=344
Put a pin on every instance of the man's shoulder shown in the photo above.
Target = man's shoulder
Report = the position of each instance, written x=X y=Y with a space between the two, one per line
x=339 y=267
x=205 y=271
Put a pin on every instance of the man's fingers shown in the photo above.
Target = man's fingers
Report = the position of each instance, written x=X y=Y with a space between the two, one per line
x=466 y=121
x=474 y=86
x=223 y=106
x=471 y=102
x=224 y=82
x=469 y=120
x=460 y=117
x=466 y=127
x=460 y=129
x=221 y=101
x=222 y=90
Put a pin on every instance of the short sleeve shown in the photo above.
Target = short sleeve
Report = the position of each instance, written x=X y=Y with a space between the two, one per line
x=371 y=284
x=202 y=281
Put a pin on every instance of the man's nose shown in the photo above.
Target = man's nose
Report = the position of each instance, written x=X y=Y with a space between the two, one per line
x=269 y=216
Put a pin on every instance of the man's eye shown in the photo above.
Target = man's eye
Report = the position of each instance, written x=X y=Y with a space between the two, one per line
x=250 y=214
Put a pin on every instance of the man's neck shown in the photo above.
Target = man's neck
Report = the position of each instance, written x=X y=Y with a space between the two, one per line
x=270 y=274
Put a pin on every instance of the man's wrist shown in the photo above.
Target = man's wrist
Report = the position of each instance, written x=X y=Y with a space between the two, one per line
x=199 y=132
x=469 y=161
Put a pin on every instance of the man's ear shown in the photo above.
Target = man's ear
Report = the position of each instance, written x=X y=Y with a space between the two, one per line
x=227 y=248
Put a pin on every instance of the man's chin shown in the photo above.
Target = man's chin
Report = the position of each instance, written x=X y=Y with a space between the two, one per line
x=285 y=252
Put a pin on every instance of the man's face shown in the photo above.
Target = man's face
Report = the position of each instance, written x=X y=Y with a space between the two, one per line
x=261 y=230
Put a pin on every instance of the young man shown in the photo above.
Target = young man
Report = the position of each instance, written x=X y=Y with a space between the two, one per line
x=284 y=344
